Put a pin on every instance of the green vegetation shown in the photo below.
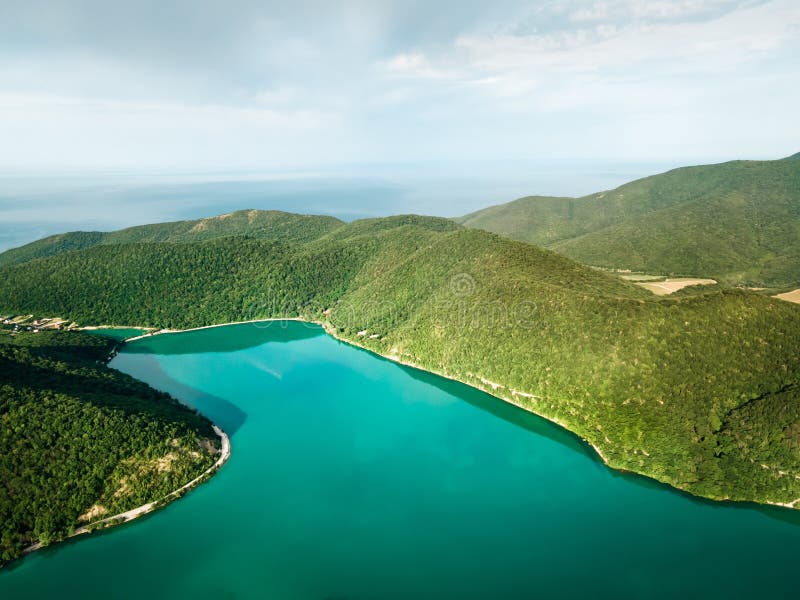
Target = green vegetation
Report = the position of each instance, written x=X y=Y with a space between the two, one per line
x=737 y=222
x=80 y=441
x=693 y=391
x=261 y=224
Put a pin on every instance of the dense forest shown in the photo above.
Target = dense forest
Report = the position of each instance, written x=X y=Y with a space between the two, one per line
x=737 y=222
x=698 y=391
x=80 y=441
x=262 y=224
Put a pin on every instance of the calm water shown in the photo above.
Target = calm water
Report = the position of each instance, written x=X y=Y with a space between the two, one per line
x=353 y=477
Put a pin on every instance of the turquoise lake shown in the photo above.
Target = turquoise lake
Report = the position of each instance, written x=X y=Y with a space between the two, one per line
x=353 y=477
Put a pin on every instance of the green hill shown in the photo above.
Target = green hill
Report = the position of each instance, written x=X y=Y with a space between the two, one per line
x=738 y=222
x=78 y=438
x=698 y=391
x=261 y=224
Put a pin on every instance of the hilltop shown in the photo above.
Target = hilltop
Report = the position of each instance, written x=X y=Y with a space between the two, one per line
x=736 y=222
x=260 y=224
x=698 y=391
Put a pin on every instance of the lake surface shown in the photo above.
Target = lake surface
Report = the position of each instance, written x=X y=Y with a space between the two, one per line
x=353 y=477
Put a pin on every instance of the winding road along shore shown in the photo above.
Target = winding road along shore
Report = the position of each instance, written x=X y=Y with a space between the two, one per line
x=134 y=513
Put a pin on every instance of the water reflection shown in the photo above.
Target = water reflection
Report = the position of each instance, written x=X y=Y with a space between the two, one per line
x=219 y=339
x=219 y=410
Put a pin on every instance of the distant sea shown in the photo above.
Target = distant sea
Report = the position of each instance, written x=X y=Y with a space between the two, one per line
x=35 y=205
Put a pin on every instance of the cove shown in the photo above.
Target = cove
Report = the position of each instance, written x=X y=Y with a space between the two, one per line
x=354 y=477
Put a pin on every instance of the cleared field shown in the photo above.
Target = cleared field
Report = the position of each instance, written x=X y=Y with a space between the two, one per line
x=640 y=277
x=793 y=296
x=669 y=286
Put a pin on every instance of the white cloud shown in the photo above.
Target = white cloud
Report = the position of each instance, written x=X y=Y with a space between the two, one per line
x=398 y=81
x=652 y=10
x=415 y=65
x=606 y=55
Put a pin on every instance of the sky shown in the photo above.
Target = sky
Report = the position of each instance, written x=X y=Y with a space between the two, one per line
x=308 y=85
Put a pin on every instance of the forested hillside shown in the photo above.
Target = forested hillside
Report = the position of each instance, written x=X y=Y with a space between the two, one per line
x=698 y=391
x=737 y=222
x=80 y=441
x=260 y=224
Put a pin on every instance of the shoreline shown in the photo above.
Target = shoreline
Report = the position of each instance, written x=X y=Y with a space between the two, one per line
x=163 y=331
x=144 y=509
x=96 y=327
x=329 y=330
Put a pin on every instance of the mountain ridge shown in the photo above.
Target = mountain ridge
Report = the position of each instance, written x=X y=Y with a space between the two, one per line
x=262 y=224
x=737 y=222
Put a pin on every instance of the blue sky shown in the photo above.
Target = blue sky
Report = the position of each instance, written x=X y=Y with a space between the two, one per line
x=243 y=84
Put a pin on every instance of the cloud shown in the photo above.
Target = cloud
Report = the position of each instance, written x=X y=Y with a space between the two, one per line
x=311 y=82
x=413 y=64
x=581 y=66
x=655 y=10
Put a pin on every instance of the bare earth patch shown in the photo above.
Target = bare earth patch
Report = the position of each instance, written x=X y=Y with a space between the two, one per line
x=793 y=296
x=124 y=488
x=92 y=514
x=164 y=464
x=669 y=286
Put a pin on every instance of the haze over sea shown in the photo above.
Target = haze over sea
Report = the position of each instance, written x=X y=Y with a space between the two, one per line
x=38 y=204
